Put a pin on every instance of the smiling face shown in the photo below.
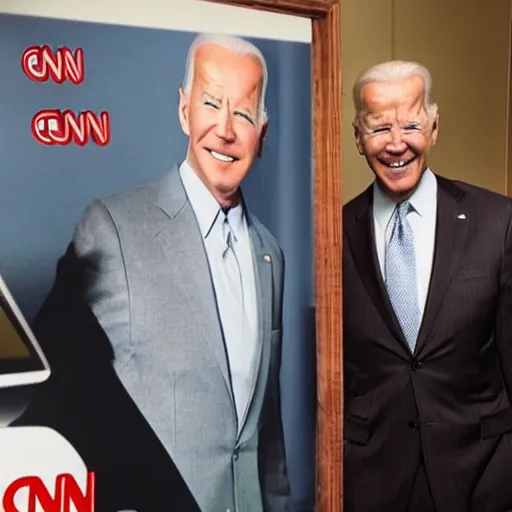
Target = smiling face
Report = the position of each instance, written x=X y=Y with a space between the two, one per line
x=220 y=116
x=395 y=134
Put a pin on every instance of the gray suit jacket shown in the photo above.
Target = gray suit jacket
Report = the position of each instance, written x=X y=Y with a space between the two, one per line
x=149 y=286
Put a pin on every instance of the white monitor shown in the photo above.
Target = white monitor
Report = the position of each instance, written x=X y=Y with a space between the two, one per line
x=22 y=361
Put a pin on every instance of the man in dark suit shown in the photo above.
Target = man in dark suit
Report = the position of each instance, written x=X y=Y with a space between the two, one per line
x=427 y=318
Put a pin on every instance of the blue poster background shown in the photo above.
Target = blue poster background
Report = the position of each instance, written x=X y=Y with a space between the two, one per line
x=134 y=74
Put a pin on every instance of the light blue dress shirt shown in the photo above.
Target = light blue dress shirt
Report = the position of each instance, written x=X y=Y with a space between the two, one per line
x=423 y=224
x=243 y=349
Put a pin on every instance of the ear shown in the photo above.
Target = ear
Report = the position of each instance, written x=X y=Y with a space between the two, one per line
x=435 y=130
x=357 y=137
x=262 y=138
x=183 y=112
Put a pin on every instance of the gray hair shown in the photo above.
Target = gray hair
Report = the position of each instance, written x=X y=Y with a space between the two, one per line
x=233 y=44
x=392 y=71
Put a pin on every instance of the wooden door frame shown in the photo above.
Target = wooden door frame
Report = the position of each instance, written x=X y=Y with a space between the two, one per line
x=326 y=102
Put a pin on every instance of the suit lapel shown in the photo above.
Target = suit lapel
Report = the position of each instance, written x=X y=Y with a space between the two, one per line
x=451 y=232
x=183 y=246
x=360 y=232
x=186 y=253
x=263 y=276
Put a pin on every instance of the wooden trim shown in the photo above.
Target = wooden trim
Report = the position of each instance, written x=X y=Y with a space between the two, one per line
x=306 y=9
x=326 y=50
x=326 y=101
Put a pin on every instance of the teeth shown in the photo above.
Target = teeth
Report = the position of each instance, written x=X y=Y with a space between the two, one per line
x=397 y=164
x=221 y=157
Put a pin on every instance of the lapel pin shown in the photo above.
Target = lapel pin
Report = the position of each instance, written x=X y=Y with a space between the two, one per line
x=461 y=216
x=267 y=258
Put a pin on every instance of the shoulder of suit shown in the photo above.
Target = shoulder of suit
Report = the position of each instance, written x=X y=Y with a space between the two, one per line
x=354 y=205
x=128 y=203
x=138 y=195
x=476 y=194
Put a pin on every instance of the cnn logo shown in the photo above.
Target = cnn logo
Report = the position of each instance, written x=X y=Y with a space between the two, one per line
x=40 y=63
x=52 y=127
x=30 y=494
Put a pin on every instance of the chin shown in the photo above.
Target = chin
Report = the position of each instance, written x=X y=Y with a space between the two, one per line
x=400 y=187
x=226 y=189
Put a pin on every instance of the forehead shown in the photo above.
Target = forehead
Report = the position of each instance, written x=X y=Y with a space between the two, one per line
x=403 y=95
x=219 y=67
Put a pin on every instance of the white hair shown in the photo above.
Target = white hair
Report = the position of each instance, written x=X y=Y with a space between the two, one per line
x=392 y=71
x=233 y=44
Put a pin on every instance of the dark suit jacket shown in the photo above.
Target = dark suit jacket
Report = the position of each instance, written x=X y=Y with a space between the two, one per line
x=450 y=401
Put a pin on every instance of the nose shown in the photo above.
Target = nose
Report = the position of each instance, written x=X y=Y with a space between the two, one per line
x=395 y=143
x=224 y=128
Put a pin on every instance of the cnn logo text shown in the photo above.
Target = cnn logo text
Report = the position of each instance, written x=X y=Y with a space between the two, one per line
x=54 y=127
x=30 y=494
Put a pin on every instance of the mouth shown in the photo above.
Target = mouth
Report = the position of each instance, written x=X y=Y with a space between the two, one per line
x=398 y=165
x=222 y=157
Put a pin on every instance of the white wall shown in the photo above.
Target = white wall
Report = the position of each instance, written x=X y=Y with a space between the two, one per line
x=188 y=15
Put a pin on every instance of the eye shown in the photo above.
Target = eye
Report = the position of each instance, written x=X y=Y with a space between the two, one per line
x=211 y=104
x=411 y=127
x=245 y=116
x=382 y=129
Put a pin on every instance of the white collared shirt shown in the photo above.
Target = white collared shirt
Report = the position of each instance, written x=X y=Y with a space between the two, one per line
x=423 y=224
x=243 y=350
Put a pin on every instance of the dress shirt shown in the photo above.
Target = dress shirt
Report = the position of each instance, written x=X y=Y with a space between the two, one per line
x=242 y=352
x=423 y=224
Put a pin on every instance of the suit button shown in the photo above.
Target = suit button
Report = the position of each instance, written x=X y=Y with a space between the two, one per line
x=235 y=455
x=416 y=364
x=414 y=425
